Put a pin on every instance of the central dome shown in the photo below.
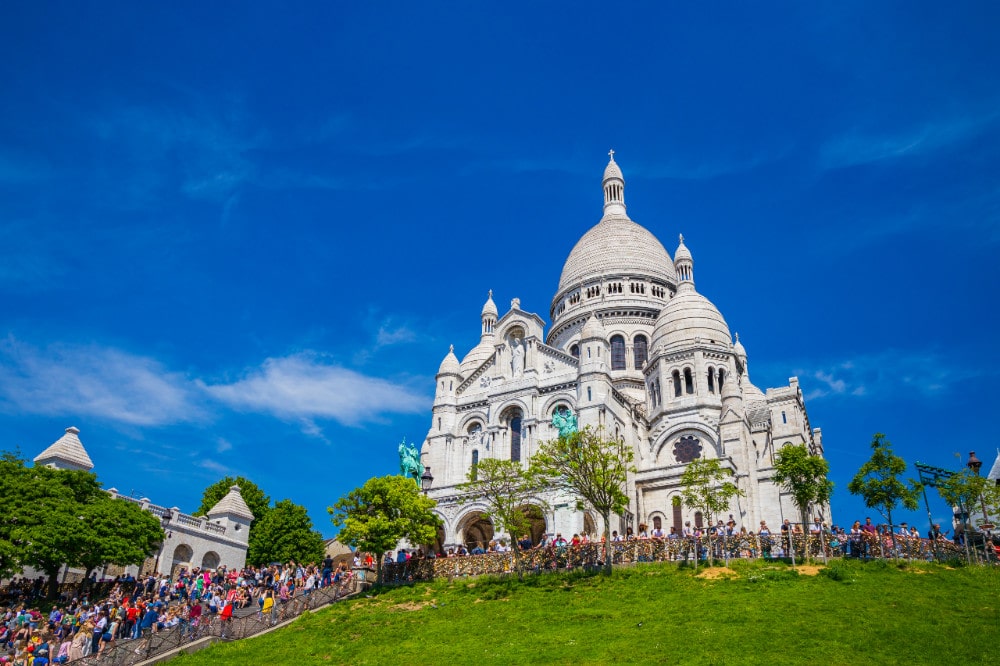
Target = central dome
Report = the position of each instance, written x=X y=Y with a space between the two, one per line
x=616 y=245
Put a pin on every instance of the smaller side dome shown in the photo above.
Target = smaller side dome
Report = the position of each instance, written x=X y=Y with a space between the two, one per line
x=689 y=317
x=738 y=348
x=593 y=329
x=682 y=251
x=449 y=366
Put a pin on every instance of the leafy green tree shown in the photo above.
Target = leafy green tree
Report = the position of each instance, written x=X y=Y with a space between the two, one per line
x=973 y=494
x=595 y=468
x=878 y=481
x=706 y=487
x=13 y=476
x=115 y=531
x=51 y=520
x=285 y=533
x=506 y=489
x=804 y=477
x=385 y=510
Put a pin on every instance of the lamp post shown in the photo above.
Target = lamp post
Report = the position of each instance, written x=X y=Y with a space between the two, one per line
x=426 y=480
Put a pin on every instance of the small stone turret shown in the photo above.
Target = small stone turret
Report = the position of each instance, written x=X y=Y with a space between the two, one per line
x=233 y=513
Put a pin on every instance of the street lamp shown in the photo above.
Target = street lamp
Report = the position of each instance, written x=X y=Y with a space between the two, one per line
x=426 y=479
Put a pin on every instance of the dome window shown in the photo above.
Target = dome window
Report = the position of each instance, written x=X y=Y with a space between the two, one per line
x=711 y=380
x=640 y=349
x=688 y=381
x=677 y=384
x=617 y=352
x=575 y=351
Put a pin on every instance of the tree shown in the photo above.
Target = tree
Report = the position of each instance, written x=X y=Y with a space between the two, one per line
x=385 y=510
x=804 y=477
x=878 y=481
x=972 y=494
x=115 y=531
x=51 y=520
x=707 y=489
x=506 y=489
x=595 y=468
x=13 y=473
x=285 y=533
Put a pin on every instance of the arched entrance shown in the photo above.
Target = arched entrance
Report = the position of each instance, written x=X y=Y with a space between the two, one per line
x=438 y=544
x=182 y=558
x=477 y=530
x=536 y=523
x=210 y=560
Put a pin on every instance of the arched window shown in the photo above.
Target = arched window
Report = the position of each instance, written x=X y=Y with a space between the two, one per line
x=617 y=352
x=514 y=425
x=575 y=351
x=722 y=378
x=698 y=519
x=688 y=381
x=640 y=350
x=711 y=380
x=677 y=384
x=657 y=523
x=475 y=463
x=784 y=419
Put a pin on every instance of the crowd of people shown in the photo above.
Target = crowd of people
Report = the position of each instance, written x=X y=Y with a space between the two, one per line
x=136 y=608
x=726 y=539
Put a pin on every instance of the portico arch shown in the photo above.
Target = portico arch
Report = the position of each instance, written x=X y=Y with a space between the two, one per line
x=183 y=554
x=210 y=560
x=475 y=529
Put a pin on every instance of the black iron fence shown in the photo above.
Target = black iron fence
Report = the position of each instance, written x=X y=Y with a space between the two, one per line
x=697 y=550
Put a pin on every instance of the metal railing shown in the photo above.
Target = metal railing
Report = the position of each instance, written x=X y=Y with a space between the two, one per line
x=244 y=623
x=695 y=550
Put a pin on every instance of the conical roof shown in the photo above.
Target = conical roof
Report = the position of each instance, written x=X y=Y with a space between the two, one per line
x=994 y=473
x=449 y=366
x=233 y=504
x=67 y=452
x=489 y=307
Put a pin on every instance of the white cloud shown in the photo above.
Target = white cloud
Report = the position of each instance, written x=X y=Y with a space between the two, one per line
x=857 y=147
x=884 y=374
x=66 y=380
x=393 y=336
x=306 y=387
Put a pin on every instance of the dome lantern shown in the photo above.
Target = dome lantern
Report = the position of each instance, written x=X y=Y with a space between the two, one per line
x=614 y=188
x=684 y=264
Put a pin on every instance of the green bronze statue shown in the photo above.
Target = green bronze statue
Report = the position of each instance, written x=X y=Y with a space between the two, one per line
x=564 y=420
x=409 y=461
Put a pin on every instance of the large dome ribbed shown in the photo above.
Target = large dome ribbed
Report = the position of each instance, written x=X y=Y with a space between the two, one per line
x=687 y=318
x=614 y=246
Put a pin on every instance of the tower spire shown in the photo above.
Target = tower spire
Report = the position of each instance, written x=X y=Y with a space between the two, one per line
x=614 y=188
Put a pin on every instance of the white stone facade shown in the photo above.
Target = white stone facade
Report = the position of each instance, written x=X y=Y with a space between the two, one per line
x=634 y=349
x=221 y=538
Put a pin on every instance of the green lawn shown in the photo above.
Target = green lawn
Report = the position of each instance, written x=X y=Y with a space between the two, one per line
x=853 y=613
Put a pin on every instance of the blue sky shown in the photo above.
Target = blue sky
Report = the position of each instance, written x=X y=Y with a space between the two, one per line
x=239 y=238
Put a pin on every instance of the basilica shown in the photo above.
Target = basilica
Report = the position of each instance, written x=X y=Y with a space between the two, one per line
x=634 y=349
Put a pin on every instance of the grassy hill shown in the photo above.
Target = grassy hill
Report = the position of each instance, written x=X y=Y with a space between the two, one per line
x=753 y=613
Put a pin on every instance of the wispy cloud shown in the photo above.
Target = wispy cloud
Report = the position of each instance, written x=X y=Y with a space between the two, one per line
x=393 y=335
x=861 y=147
x=95 y=382
x=885 y=374
x=306 y=387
